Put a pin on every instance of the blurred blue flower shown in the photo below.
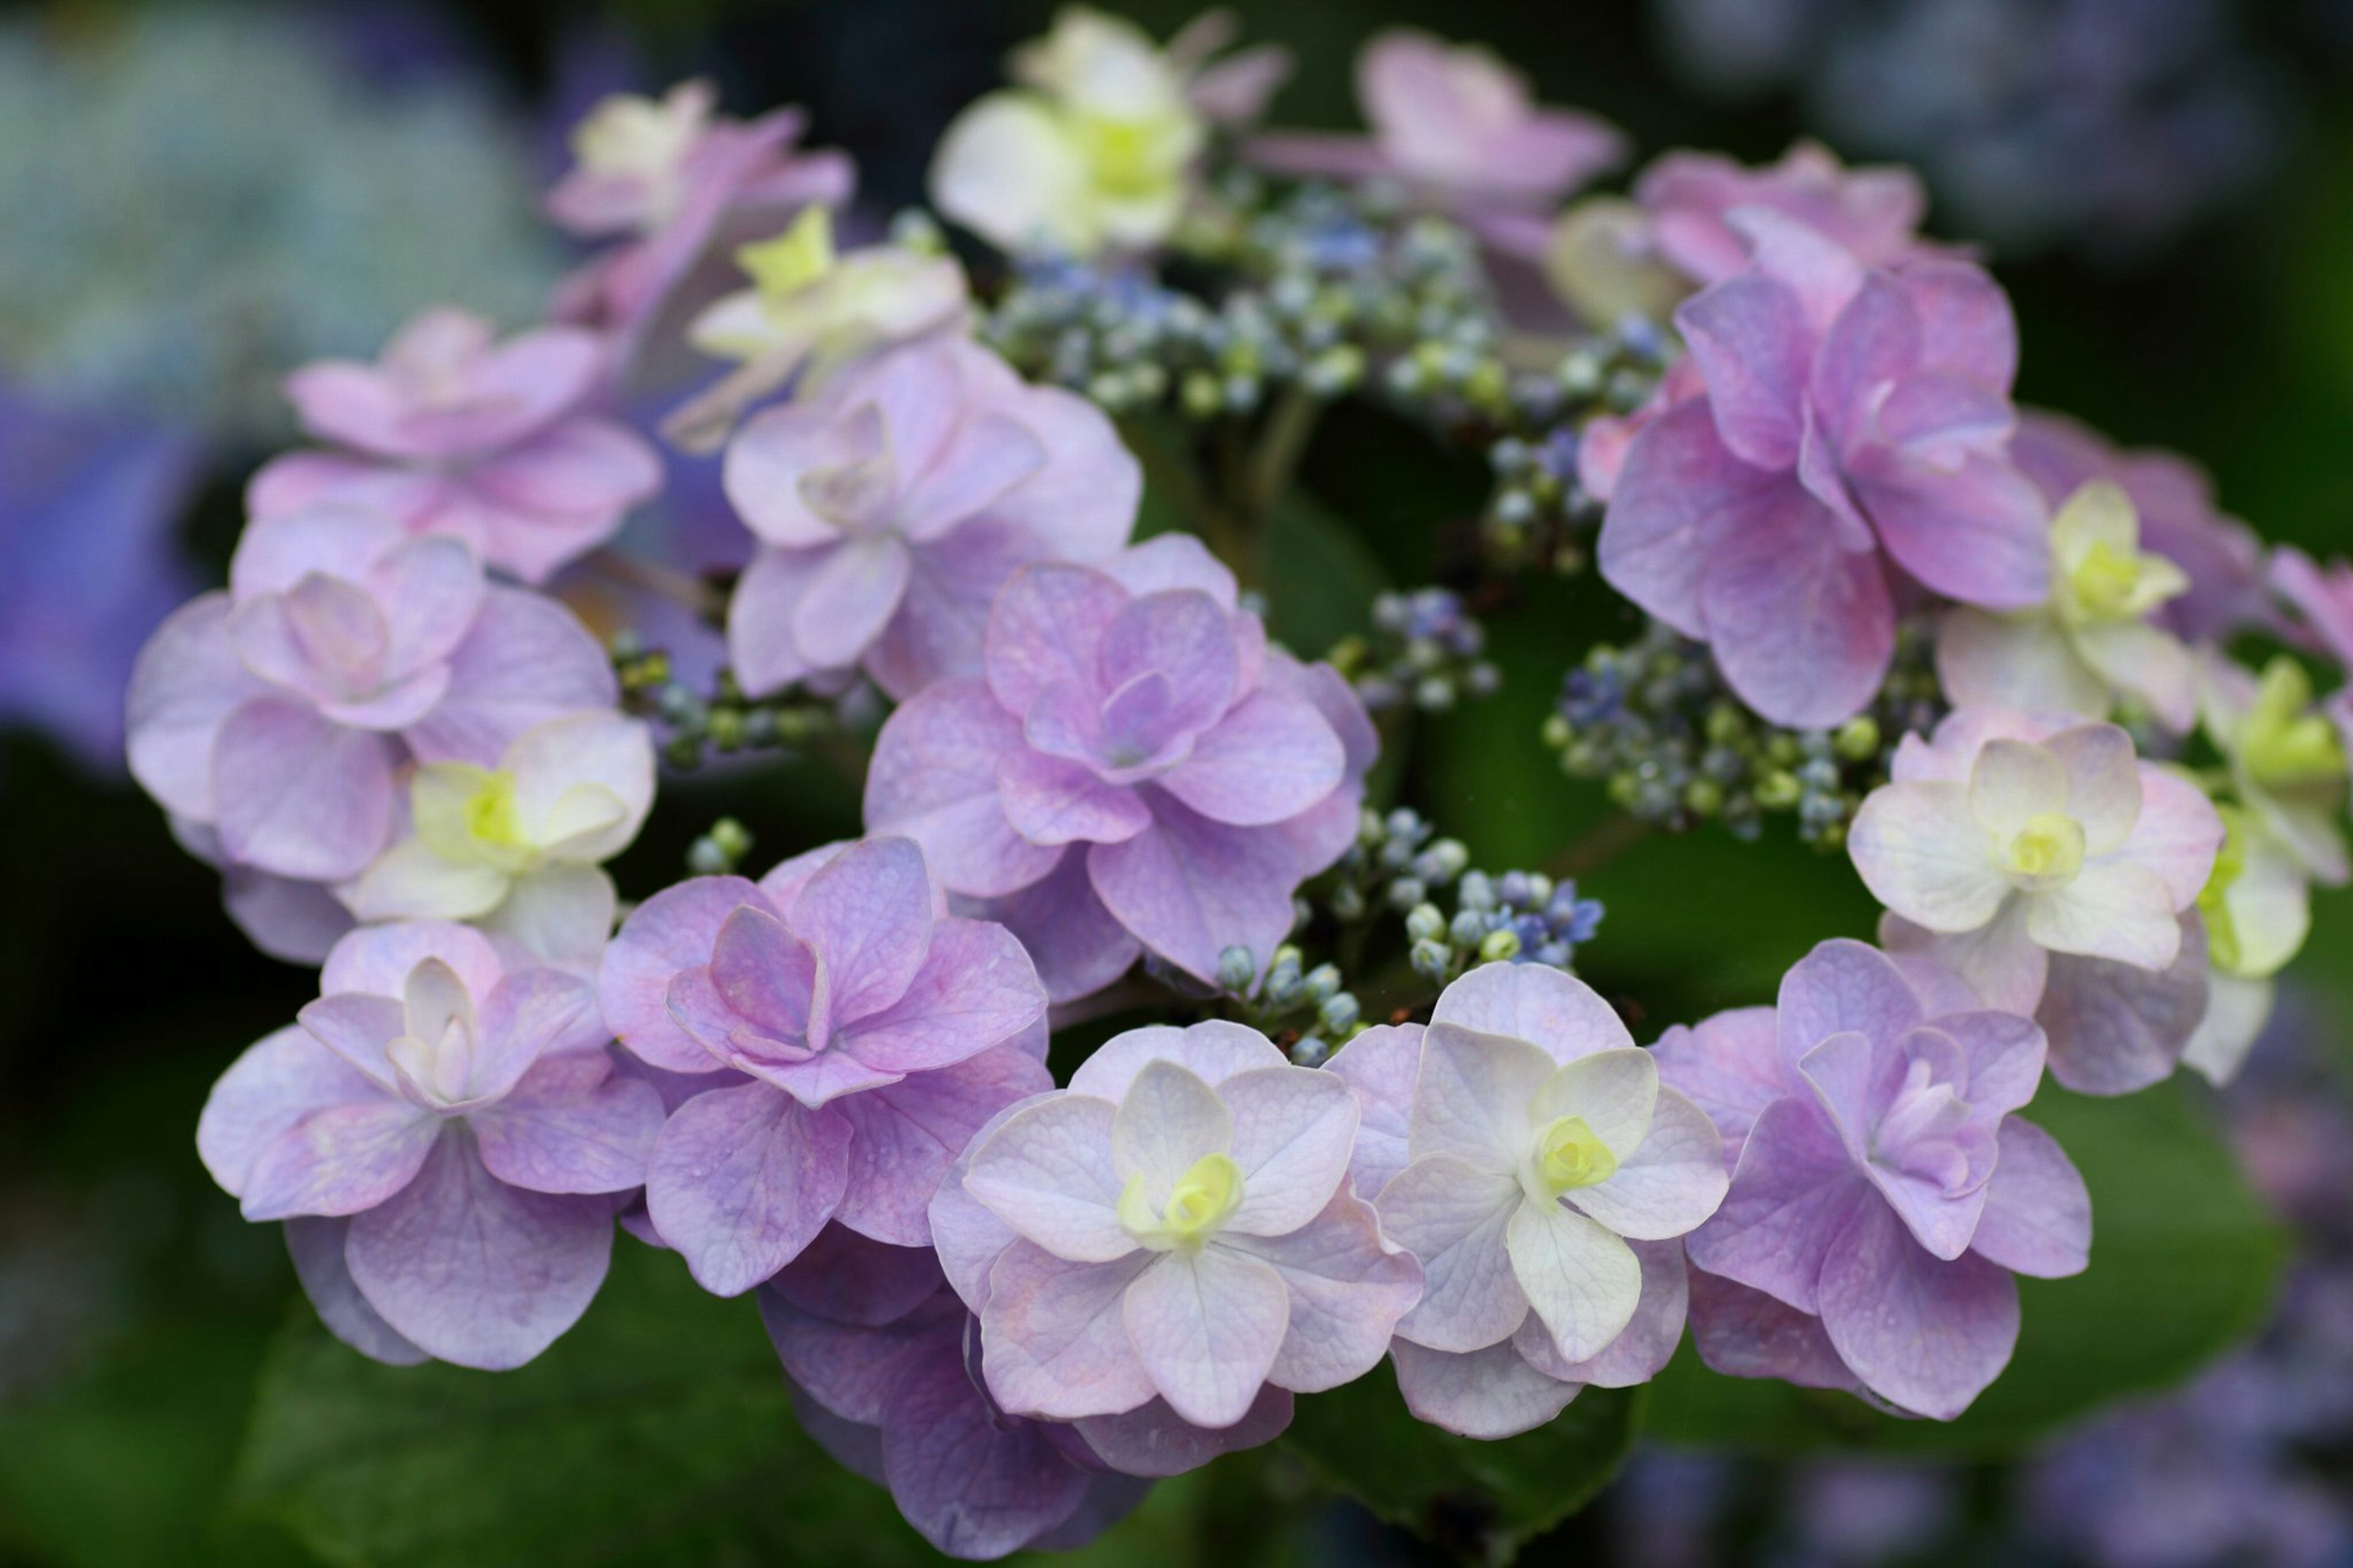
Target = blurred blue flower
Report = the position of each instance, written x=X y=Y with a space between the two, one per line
x=89 y=564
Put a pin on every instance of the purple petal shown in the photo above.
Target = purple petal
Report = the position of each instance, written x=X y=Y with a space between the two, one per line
x=1924 y=1333
x=933 y=778
x=976 y=989
x=477 y=1272
x=1978 y=534
x=1293 y=1128
x=2116 y=1027
x=299 y=795
x=571 y=1125
x=526 y=660
x=1485 y=1394
x=1183 y=635
x=972 y=1484
x=1678 y=492
x=1729 y=1066
x=1802 y=626
x=1451 y=1217
x=185 y=685
x=1153 y=1440
x=761 y=614
x=742 y=1179
x=2038 y=1214
x=1188 y=887
x=1213 y=1050
x=340 y=1159
x=868 y=917
x=849 y=598
x=845 y=1278
x=1380 y=1064
x=1268 y=759
x=1052 y=800
x=1748 y=335
x=316 y=1246
x=1555 y=1011
x=1206 y=1327
x=1347 y=1292
x=1076 y=945
x=904 y=1137
x=1742 y=1333
x=672 y=930
x=1793 y=1193
x=279 y=1079
x=943 y=615
x=1044 y=630
x=1841 y=986
x=1048 y=1173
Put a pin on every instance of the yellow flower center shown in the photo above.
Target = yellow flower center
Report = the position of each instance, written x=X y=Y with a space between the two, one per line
x=2283 y=743
x=2222 y=945
x=783 y=267
x=1569 y=1154
x=1201 y=1202
x=2049 y=849
x=466 y=814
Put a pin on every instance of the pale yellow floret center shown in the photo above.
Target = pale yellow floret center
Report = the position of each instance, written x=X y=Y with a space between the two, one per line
x=2048 y=849
x=1198 y=1205
x=786 y=266
x=467 y=815
x=1569 y=1154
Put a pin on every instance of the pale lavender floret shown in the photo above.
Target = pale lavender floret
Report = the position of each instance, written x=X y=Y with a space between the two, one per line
x=891 y=506
x=456 y=435
x=873 y=1036
x=274 y=716
x=1852 y=434
x=2107 y=954
x=448 y=1141
x=1459 y=128
x=1136 y=769
x=1539 y=1281
x=1884 y=1195
x=1175 y=1225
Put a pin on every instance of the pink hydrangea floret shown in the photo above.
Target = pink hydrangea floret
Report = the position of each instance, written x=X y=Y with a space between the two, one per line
x=458 y=435
x=1847 y=431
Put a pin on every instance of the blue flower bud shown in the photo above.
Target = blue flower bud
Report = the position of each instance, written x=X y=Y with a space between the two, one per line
x=1236 y=968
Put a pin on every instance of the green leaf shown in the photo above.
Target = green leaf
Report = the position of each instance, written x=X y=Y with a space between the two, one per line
x=1321 y=580
x=657 y=1431
x=2183 y=1265
x=1483 y=1499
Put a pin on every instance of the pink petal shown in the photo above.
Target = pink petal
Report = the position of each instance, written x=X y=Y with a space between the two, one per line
x=1729 y=1066
x=1379 y=1065
x=1348 y=1289
x=1558 y=1013
x=1293 y=1128
x=1452 y=1216
x=1048 y=1173
x=1748 y=336
x=1978 y=534
x=1802 y=627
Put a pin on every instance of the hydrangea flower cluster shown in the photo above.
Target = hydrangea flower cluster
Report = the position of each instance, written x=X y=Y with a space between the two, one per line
x=1093 y=784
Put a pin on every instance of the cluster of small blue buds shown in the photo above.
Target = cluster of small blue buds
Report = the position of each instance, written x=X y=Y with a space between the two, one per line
x=1655 y=722
x=1520 y=917
x=1310 y=1010
x=1426 y=650
x=1537 y=507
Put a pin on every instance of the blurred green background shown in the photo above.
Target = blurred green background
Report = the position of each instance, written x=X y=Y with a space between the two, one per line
x=139 y=1315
